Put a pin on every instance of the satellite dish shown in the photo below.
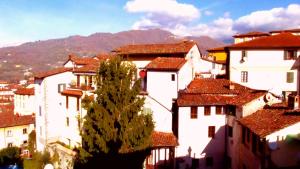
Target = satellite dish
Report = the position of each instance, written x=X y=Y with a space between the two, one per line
x=49 y=166
x=273 y=145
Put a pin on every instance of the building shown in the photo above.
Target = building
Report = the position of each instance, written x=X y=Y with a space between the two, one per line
x=24 y=101
x=14 y=129
x=165 y=76
x=208 y=110
x=272 y=57
x=270 y=139
x=142 y=54
x=249 y=36
x=293 y=31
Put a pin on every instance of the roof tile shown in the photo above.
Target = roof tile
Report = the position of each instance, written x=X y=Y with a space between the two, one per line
x=170 y=63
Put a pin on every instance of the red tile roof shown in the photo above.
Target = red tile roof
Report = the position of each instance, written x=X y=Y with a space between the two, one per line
x=92 y=68
x=251 y=34
x=8 y=119
x=25 y=91
x=166 y=64
x=182 y=47
x=52 y=72
x=267 y=121
x=287 y=30
x=81 y=60
x=70 y=92
x=218 y=49
x=162 y=139
x=280 y=41
x=216 y=92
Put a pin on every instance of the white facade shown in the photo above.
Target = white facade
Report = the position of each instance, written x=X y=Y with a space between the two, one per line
x=15 y=135
x=162 y=91
x=23 y=104
x=50 y=110
x=194 y=140
x=264 y=70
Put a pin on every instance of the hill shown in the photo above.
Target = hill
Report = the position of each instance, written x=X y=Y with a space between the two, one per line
x=43 y=55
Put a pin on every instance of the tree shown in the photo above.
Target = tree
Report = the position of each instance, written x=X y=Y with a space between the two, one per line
x=115 y=130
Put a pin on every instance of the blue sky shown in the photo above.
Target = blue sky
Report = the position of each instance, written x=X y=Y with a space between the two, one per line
x=32 y=20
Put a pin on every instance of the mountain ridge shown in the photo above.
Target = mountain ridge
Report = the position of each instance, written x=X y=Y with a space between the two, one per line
x=43 y=55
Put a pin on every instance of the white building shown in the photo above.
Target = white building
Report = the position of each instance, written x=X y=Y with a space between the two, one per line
x=14 y=129
x=207 y=114
x=265 y=63
x=24 y=101
x=249 y=36
x=270 y=139
x=164 y=78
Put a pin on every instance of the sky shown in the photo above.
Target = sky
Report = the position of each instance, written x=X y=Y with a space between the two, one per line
x=32 y=20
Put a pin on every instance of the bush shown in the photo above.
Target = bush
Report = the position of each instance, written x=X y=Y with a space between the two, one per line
x=10 y=156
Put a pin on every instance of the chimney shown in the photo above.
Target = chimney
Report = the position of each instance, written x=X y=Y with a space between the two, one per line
x=231 y=86
x=293 y=101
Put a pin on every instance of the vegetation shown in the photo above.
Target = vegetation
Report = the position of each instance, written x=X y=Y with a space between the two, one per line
x=10 y=156
x=38 y=161
x=115 y=133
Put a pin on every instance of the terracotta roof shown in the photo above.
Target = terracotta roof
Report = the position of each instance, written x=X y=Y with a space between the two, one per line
x=182 y=47
x=218 y=49
x=92 y=68
x=216 y=92
x=165 y=64
x=287 y=30
x=282 y=40
x=215 y=86
x=213 y=61
x=267 y=121
x=70 y=92
x=25 y=91
x=162 y=139
x=3 y=82
x=251 y=34
x=81 y=60
x=103 y=56
x=9 y=120
x=42 y=75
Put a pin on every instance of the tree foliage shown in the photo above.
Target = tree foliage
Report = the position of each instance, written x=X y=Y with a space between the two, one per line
x=115 y=125
x=10 y=156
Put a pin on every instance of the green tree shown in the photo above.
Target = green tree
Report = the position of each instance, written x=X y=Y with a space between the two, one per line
x=115 y=128
x=10 y=156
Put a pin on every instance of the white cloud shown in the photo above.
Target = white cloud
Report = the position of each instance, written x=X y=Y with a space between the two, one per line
x=276 y=18
x=170 y=8
x=161 y=13
x=179 y=19
x=208 y=13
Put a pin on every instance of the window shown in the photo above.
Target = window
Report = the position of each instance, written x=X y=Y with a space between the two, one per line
x=289 y=77
x=41 y=130
x=67 y=102
x=25 y=142
x=194 y=112
x=243 y=134
x=40 y=110
x=209 y=161
x=173 y=77
x=230 y=131
x=228 y=160
x=244 y=76
x=195 y=163
x=61 y=87
x=231 y=110
x=67 y=121
x=78 y=103
x=25 y=131
x=244 y=56
x=9 y=144
x=218 y=109
x=206 y=110
x=211 y=131
x=9 y=133
x=290 y=55
x=254 y=143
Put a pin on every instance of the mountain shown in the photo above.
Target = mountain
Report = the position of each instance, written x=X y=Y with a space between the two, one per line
x=43 y=55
